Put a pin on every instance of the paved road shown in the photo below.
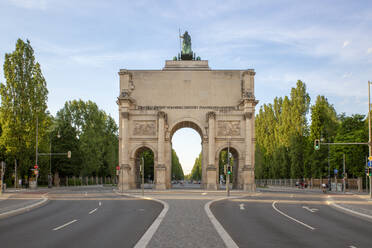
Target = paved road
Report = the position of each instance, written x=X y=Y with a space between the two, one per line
x=88 y=217
x=292 y=219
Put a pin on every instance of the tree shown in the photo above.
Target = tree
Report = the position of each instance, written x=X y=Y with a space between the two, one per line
x=177 y=171
x=196 y=172
x=23 y=101
x=92 y=137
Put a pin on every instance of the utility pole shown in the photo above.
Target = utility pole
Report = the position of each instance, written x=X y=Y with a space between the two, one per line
x=2 y=177
x=143 y=176
x=329 y=173
x=343 y=178
x=369 y=134
x=228 y=169
x=122 y=181
x=36 y=144
x=15 y=173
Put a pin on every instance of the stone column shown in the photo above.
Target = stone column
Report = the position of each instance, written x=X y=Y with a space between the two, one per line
x=160 y=169
x=248 y=169
x=211 y=169
x=124 y=177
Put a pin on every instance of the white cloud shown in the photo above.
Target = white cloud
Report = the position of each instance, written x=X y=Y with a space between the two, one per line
x=369 y=50
x=30 y=4
x=346 y=43
x=347 y=75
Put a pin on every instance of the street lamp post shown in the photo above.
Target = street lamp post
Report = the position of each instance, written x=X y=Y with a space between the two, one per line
x=50 y=159
x=369 y=132
x=228 y=168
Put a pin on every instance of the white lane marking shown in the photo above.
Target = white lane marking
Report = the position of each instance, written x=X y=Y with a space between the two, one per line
x=229 y=242
x=64 y=225
x=351 y=246
x=241 y=206
x=94 y=210
x=99 y=204
x=145 y=239
x=204 y=193
x=313 y=210
x=350 y=211
x=299 y=222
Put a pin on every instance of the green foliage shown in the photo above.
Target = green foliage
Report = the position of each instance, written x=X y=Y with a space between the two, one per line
x=23 y=101
x=177 y=172
x=285 y=142
x=91 y=136
x=196 y=172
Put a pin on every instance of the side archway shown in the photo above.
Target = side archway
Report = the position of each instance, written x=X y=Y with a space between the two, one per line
x=145 y=154
x=222 y=159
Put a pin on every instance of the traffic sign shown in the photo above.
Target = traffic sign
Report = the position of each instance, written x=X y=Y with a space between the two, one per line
x=369 y=163
x=118 y=167
x=335 y=171
x=36 y=172
x=370 y=158
x=36 y=166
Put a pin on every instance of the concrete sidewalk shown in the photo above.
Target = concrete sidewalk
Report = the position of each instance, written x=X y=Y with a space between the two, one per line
x=13 y=204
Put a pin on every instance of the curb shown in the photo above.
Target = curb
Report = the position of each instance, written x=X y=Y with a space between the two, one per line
x=145 y=239
x=349 y=211
x=229 y=242
x=24 y=209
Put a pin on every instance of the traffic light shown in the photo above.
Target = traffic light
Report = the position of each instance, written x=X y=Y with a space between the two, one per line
x=316 y=144
x=229 y=170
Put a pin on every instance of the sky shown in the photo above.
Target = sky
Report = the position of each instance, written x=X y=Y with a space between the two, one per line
x=81 y=45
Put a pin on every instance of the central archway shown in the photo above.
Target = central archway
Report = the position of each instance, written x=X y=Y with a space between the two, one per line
x=188 y=123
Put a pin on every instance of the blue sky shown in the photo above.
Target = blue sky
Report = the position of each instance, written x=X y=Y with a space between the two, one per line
x=81 y=45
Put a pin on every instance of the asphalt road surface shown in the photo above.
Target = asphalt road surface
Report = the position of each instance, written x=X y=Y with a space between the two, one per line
x=291 y=220
x=81 y=218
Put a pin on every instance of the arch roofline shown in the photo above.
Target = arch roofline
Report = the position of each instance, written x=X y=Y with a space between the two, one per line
x=136 y=148
x=223 y=146
x=187 y=122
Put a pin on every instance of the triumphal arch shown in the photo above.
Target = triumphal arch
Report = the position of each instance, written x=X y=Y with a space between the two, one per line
x=218 y=104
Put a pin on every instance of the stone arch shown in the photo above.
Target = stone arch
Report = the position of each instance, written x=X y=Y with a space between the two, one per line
x=223 y=146
x=198 y=127
x=136 y=148
x=236 y=153
x=149 y=174
x=187 y=122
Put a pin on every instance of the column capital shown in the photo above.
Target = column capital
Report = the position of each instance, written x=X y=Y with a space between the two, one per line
x=248 y=115
x=125 y=167
x=210 y=115
x=162 y=114
x=125 y=115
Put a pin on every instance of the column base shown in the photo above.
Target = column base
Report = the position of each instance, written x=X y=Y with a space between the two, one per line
x=211 y=177
x=124 y=178
x=160 y=182
x=249 y=184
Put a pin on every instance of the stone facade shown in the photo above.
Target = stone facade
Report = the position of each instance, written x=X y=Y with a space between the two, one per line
x=218 y=104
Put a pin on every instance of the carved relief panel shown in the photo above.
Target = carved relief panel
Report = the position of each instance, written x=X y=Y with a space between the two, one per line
x=144 y=128
x=228 y=128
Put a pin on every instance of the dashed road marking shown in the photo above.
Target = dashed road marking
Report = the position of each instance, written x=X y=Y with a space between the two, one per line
x=64 y=225
x=351 y=246
x=204 y=193
x=289 y=217
x=99 y=204
x=94 y=210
